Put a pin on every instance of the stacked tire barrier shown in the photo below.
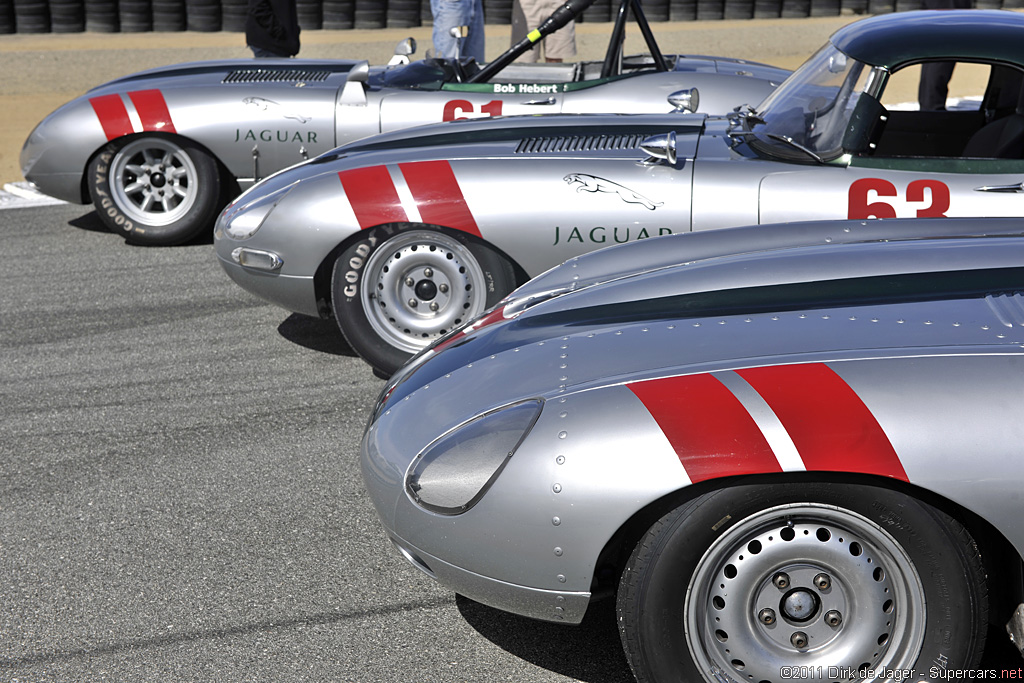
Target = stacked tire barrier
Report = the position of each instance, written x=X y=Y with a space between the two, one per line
x=127 y=16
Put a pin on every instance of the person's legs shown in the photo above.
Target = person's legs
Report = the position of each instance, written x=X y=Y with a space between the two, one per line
x=558 y=46
x=934 y=85
x=473 y=46
x=561 y=45
x=447 y=15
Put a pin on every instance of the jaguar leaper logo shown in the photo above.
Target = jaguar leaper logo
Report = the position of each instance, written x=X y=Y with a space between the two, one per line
x=263 y=104
x=590 y=183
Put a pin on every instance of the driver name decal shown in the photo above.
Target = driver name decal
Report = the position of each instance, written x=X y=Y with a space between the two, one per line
x=525 y=89
x=868 y=198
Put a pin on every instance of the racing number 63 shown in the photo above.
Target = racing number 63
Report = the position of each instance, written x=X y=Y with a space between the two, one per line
x=860 y=207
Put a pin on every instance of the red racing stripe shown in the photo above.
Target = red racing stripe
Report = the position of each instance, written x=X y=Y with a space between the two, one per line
x=152 y=111
x=373 y=197
x=438 y=195
x=113 y=116
x=710 y=430
x=830 y=426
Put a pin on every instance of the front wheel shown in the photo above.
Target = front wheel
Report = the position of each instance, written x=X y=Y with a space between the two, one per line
x=399 y=288
x=155 y=190
x=821 y=581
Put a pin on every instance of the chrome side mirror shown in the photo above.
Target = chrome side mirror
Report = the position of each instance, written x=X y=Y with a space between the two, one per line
x=354 y=93
x=402 y=52
x=458 y=33
x=685 y=101
x=660 y=148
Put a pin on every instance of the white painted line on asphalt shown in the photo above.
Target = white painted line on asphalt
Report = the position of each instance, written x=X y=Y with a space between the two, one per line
x=21 y=195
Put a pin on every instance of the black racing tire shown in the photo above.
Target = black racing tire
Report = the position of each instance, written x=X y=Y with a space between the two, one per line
x=155 y=190
x=772 y=583
x=453 y=277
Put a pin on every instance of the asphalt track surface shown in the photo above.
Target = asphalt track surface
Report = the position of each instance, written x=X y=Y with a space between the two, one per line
x=180 y=497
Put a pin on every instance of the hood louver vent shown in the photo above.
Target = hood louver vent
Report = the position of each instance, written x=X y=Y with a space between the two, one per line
x=275 y=76
x=1009 y=308
x=579 y=143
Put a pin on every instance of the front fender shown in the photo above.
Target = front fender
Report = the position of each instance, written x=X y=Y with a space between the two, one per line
x=56 y=152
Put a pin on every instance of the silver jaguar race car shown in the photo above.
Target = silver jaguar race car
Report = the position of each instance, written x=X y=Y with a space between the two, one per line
x=792 y=454
x=402 y=237
x=160 y=153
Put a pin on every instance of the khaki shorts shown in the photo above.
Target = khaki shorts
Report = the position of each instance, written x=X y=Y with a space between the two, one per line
x=559 y=45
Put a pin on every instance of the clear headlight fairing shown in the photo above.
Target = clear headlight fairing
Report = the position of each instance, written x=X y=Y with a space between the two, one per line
x=454 y=472
x=243 y=218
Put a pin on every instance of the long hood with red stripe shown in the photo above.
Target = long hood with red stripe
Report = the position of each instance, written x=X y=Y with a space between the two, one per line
x=897 y=362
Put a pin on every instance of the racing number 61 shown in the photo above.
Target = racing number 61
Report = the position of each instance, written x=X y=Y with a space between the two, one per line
x=455 y=109
x=860 y=207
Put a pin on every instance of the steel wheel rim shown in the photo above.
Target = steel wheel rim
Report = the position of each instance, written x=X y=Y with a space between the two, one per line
x=154 y=181
x=873 y=587
x=419 y=286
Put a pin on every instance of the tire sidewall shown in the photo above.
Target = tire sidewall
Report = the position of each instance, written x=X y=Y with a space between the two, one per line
x=654 y=588
x=207 y=205
x=349 y=276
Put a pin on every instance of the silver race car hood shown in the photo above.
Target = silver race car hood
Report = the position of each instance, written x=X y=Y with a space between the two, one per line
x=239 y=71
x=628 y=260
x=601 y=129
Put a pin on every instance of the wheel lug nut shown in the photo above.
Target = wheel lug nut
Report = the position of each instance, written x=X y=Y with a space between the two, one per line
x=781 y=580
x=428 y=272
x=823 y=581
x=434 y=306
x=799 y=639
x=409 y=282
x=833 y=618
x=766 y=616
x=443 y=288
x=413 y=303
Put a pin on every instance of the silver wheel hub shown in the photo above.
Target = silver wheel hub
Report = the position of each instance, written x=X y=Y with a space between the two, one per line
x=419 y=286
x=805 y=586
x=153 y=181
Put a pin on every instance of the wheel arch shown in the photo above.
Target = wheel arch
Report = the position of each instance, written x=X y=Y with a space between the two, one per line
x=324 y=272
x=1003 y=564
x=229 y=183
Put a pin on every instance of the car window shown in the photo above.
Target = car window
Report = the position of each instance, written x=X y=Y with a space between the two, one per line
x=807 y=116
x=979 y=117
x=966 y=87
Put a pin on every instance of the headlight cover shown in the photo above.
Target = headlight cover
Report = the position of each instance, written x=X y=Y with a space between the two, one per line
x=242 y=219
x=454 y=472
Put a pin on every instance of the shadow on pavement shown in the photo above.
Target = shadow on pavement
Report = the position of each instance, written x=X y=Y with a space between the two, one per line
x=89 y=222
x=588 y=652
x=315 y=334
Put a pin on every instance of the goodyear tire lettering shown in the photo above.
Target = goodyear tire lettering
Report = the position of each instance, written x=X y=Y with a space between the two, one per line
x=205 y=188
x=355 y=264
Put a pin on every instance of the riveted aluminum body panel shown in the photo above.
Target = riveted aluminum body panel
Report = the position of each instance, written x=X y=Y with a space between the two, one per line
x=938 y=374
x=563 y=606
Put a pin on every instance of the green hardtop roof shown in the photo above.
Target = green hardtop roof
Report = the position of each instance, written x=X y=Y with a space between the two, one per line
x=892 y=40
